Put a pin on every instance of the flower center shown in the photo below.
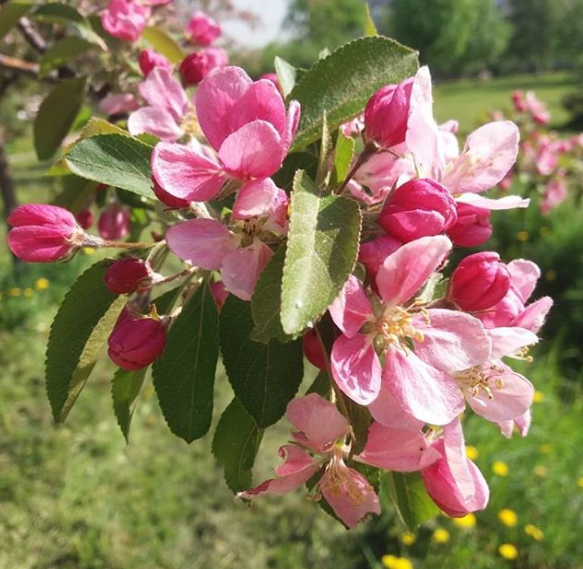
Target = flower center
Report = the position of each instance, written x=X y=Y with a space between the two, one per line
x=478 y=379
x=337 y=479
x=395 y=327
x=190 y=124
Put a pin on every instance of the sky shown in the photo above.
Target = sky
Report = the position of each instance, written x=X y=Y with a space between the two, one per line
x=271 y=14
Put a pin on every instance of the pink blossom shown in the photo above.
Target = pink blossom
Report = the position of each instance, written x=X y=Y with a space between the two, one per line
x=217 y=57
x=537 y=109
x=128 y=275
x=319 y=445
x=43 y=233
x=372 y=254
x=114 y=222
x=84 y=218
x=473 y=226
x=555 y=193
x=150 y=59
x=519 y=101
x=125 y=19
x=313 y=350
x=547 y=156
x=194 y=68
x=202 y=29
x=118 y=104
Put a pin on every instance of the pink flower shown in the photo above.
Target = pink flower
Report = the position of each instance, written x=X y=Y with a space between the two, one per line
x=202 y=29
x=537 y=109
x=547 y=156
x=372 y=254
x=319 y=446
x=194 y=68
x=479 y=282
x=313 y=350
x=519 y=101
x=84 y=218
x=118 y=104
x=555 y=193
x=418 y=208
x=421 y=347
x=136 y=341
x=216 y=56
x=125 y=19
x=114 y=222
x=473 y=226
x=239 y=253
x=128 y=275
x=150 y=59
x=245 y=122
x=43 y=233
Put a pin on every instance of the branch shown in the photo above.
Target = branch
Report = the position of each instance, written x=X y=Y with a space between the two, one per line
x=31 y=35
x=19 y=65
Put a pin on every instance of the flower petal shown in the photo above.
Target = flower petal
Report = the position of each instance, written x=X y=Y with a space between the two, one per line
x=351 y=309
x=160 y=89
x=507 y=202
x=155 y=120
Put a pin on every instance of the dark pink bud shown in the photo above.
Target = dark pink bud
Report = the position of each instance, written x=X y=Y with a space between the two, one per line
x=168 y=199
x=372 y=254
x=43 y=233
x=480 y=281
x=202 y=29
x=220 y=293
x=136 y=341
x=127 y=275
x=149 y=59
x=114 y=222
x=85 y=218
x=519 y=101
x=472 y=228
x=418 y=208
x=387 y=113
x=216 y=56
x=194 y=68
x=313 y=350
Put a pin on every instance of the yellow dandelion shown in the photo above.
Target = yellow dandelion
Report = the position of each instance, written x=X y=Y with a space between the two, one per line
x=28 y=292
x=42 y=284
x=408 y=538
x=540 y=471
x=580 y=482
x=538 y=397
x=508 y=551
x=14 y=291
x=472 y=452
x=389 y=561
x=534 y=532
x=500 y=468
x=403 y=563
x=522 y=236
x=551 y=275
x=467 y=522
x=508 y=517
x=545 y=448
x=440 y=535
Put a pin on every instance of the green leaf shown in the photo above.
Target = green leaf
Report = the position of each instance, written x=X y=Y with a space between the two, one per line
x=235 y=446
x=408 y=494
x=78 y=334
x=264 y=377
x=266 y=302
x=342 y=157
x=185 y=374
x=61 y=52
x=369 y=26
x=163 y=44
x=10 y=14
x=342 y=83
x=321 y=385
x=56 y=13
x=56 y=115
x=322 y=248
x=125 y=388
x=326 y=147
x=76 y=193
x=360 y=419
x=115 y=160
x=286 y=74
x=284 y=177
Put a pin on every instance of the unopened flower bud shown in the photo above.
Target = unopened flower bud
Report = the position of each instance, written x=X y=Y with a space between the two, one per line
x=43 y=233
x=128 y=275
x=202 y=29
x=313 y=350
x=114 y=222
x=149 y=59
x=136 y=341
x=220 y=293
x=85 y=218
x=480 y=281
x=372 y=254
x=194 y=68
x=473 y=226
x=418 y=208
x=387 y=113
x=168 y=199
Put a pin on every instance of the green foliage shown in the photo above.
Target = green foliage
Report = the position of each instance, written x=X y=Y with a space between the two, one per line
x=322 y=248
x=55 y=13
x=62 y=52
x=264 y=377
x=10 y=13
x=78 y=334
x=115 y=160
x=286 y=74
x=185 y=374
x=163 y=44
x=125 y=388
x=341 y=84
x=235 y=445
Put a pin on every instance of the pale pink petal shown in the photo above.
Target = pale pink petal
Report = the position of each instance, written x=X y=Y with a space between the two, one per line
x=201 y=242
x=351 y=309
x=155 y=120
x=407 y=269
x=424 y=142
x=241 y=268
x=423 y=391
x=216 y=97
x=508 y=340
x=421 y=91
x=280 y=485
x=524 y=276
x=253 y=151
x=293 y=121
x=260 y=198
x=356 y=368
x=185 y=173
x=296 y=460
x=387 y=411
x=319 y=420
x=507 y=202
x=452 y=340
x=118 y=103
x=160 y=89
x=534 y=315
x=455 y=453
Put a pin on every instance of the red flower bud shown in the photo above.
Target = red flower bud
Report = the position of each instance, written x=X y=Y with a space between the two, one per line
x=480 y=281
x=149 y=59
x=313 y=350
x=387 y=113
x=168 y=199
x=114 y=222
x=372 y=254
x=472 y=228
x=194 y=68
x=136 y=341
x=127 y=275
x=418 y=208
x=43 y=233
x=85 y=218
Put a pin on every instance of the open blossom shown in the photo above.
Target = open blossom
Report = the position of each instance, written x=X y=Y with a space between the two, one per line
x=421 y=347
x=118 y=104
x=239 y=252
x=245 y=122
x=319 y=446
x=125 y=19
x=555 y=193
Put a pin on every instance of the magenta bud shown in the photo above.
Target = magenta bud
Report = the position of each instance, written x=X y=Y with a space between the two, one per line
x=168 y=199
x=418 y=208
x=128 y=275
x=43 y=233
x=472 y=228
x=387 y=113
x=194 y=68
x=149 y=59
x=85 y=218
x=313 y=350
x=136 y=341
x=220 y=293
x=202 y=29
x=114 y=222
x=372 y=254
x=480 y=281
